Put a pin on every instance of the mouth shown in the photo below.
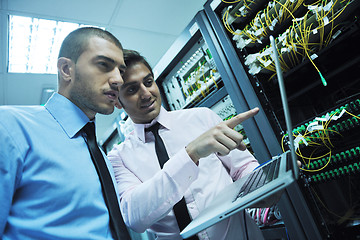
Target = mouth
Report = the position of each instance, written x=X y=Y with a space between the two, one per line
x=148 y=105
x=112 y=95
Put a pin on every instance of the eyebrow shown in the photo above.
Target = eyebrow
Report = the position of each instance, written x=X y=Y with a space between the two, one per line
x=125 y=85
x=102 y=57
x=147 y=76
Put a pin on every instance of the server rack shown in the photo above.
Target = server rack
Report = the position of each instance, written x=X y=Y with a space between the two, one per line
x=330 y=52
x=199 y=32
x=183 y=61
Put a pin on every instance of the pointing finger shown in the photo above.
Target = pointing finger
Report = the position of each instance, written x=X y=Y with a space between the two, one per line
x=242 y=146
x=233 y=122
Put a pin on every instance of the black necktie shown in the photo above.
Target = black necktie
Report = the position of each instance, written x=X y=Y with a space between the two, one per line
x=180 y=209
x=117 y=224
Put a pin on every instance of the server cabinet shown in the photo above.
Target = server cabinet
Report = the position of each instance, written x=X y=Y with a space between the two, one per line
x=194 y=73
x=317 y=42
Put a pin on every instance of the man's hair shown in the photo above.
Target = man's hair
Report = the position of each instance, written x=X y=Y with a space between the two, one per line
x=77 y=41
x=132 y=57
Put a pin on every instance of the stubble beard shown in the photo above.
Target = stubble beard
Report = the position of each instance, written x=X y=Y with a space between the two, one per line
x=83 y=96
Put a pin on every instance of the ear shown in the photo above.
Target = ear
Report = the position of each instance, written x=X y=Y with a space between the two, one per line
x=65 y=66
x=118 y=104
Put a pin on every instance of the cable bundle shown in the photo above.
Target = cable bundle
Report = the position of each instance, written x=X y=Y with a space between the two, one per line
x=305 y=36
x=265 y=216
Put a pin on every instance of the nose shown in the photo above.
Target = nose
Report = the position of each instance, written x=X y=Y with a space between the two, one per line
x=145 y=93
x=116 y=79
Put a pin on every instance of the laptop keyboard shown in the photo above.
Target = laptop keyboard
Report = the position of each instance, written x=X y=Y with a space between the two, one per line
x=260 y=177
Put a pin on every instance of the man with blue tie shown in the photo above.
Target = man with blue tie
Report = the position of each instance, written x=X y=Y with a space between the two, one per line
x=55 y=182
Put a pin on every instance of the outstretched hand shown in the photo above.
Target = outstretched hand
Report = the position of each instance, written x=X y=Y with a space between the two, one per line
x=221 y=139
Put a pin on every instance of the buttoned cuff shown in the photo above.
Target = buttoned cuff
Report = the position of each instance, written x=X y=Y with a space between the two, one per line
x=182 y=169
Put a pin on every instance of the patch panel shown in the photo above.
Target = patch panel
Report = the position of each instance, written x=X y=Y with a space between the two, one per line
x=192 y=79
x=314 y=28
x=336 y=173
x=226 y=110
x=331 y=124
x=336 y=159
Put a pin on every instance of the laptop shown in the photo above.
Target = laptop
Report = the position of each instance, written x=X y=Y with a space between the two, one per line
x=264 y=181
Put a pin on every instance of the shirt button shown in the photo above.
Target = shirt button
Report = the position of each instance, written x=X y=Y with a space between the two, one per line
x=190 y=178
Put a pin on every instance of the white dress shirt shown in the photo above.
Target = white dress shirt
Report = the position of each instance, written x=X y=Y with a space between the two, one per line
x=148 y=193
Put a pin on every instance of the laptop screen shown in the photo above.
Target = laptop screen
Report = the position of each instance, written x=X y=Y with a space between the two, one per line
x=289 y=128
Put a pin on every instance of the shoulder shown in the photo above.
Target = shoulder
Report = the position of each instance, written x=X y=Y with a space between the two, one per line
x=19 y=109
x=16 y=124
x=129 y=143
x=15 y=120
x=23 y=113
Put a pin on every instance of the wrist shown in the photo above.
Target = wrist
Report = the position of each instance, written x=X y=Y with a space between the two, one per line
x=192 y=155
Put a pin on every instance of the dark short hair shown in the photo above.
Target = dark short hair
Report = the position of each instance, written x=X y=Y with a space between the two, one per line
x=77 y=41
x=132 y=57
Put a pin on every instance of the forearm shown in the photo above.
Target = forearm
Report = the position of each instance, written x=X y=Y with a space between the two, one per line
x=150 y=201
x=144 y=203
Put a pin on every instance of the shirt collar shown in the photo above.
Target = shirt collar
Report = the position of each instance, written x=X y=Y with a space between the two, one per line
x=69 y=116
x=163 y=118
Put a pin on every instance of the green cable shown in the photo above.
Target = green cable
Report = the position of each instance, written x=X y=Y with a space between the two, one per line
x=322 y=79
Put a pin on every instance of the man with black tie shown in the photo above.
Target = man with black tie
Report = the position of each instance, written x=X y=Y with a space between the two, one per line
x=55 y=182
x=174 y=163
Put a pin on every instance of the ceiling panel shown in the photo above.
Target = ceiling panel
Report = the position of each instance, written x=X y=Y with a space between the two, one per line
x=161 y=16
x=86 y=11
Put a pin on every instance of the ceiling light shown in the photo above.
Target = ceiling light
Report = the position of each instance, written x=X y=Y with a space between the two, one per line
x=34 y=43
